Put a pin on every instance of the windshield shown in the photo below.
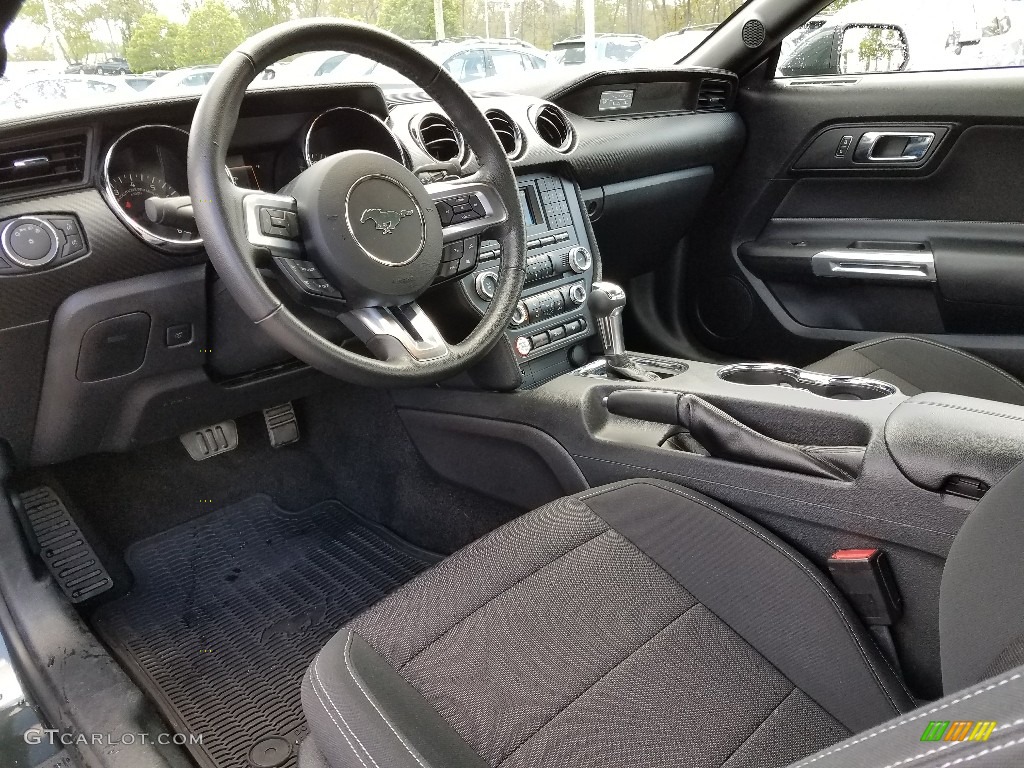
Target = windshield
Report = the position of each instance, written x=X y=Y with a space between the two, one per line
x=64 y=53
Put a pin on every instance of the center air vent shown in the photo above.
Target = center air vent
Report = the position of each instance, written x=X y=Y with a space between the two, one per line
x=553 y=127
x=509 y=133
x=43 y=164
x=439 y=138
x=713 y=96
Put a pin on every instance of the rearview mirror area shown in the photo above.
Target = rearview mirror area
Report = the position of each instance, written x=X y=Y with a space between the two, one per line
x=872 y=48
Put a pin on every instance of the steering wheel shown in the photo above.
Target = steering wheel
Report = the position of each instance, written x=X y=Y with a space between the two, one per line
x=357 y=232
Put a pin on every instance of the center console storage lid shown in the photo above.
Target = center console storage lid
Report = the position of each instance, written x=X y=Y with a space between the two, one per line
x=936 y=439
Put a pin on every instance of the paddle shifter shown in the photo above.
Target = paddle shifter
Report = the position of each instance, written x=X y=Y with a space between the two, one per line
x=606 y=302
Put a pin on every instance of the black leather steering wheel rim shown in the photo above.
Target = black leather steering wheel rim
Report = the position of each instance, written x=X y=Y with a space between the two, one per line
x=219 y=213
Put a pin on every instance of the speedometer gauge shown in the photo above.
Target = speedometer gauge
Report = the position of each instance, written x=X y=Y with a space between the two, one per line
x=146 y=162
x=131 y=190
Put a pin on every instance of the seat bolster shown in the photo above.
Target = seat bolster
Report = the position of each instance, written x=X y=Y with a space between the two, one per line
x=987 y=721
x=772 y=596
x=365 y=715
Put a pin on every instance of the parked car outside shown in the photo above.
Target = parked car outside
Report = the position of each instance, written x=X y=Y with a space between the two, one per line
x=65 y=88
x=468 y=61
x=115 y=65
x=609 y=46
x=670 y=47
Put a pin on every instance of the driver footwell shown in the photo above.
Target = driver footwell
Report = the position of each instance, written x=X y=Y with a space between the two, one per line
x=227 y=611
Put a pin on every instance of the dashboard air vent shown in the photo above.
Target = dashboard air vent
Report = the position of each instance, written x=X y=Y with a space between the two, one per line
x=48 y=163
x=509 y=133
x=553 y=127
x=439 y=138
x=713 y=96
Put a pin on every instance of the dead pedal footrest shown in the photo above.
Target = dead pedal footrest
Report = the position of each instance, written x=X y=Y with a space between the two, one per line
x=63 y=547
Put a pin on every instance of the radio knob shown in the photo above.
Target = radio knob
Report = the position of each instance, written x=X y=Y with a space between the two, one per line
x=578 y=294
x=521 y=315
x=486 y=285
x=580 y=259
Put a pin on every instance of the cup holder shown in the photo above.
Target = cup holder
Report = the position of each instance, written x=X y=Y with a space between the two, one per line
x=821 y=384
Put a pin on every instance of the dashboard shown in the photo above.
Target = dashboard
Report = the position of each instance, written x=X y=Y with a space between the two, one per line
x=100 y=268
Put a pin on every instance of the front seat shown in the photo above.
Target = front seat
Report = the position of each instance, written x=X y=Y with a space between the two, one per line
x=638 y=624
x=918 y=365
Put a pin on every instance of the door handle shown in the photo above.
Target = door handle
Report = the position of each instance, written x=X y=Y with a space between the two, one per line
x=866 y=264
x=873 y=142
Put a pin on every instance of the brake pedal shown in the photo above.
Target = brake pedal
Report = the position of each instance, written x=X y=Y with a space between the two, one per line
x=211 y=441
x=282 y=426
x=63 y=547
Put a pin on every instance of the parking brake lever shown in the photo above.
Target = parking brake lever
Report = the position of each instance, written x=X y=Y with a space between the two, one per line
x=724 y=437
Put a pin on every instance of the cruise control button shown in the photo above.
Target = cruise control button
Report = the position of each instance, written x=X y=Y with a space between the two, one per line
x=453 y=251
x=448 y=268
x=471 y=246
x=459 y=218
x=467 y=262
x=306 y=269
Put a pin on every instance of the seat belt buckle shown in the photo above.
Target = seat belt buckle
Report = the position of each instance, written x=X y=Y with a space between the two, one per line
x=866 y=578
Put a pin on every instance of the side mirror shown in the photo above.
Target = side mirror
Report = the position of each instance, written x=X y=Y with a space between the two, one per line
x=872 y=48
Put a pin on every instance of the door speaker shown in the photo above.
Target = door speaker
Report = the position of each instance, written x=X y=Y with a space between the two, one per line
x=725 y=307
x=753 y=34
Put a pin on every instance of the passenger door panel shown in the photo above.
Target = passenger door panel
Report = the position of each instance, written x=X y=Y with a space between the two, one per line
x=821 y=245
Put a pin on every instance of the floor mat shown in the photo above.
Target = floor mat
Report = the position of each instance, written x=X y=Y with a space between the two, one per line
x=228 y=611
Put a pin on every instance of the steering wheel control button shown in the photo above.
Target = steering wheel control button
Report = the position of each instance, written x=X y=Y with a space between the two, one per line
x=179 y=335
x=524 y=346
x=444 y=212
x=468 y=262
x=275 y=222
x=30 y=242
x=114 y=347
x=307 y=284
x=453 y=251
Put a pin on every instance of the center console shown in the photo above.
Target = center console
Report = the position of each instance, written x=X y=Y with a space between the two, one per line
x=552 y=319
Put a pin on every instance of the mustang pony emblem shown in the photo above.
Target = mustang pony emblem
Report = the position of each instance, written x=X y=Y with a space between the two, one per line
x=385 y=221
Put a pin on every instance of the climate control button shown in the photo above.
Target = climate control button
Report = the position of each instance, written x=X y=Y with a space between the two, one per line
x=580 y=259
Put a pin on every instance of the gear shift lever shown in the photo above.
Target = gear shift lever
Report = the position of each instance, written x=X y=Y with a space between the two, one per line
x=606 y=302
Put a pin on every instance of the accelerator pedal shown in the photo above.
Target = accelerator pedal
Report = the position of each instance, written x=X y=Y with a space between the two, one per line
x=63 y=546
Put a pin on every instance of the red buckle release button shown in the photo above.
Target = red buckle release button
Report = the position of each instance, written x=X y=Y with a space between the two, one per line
x=853 y=554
